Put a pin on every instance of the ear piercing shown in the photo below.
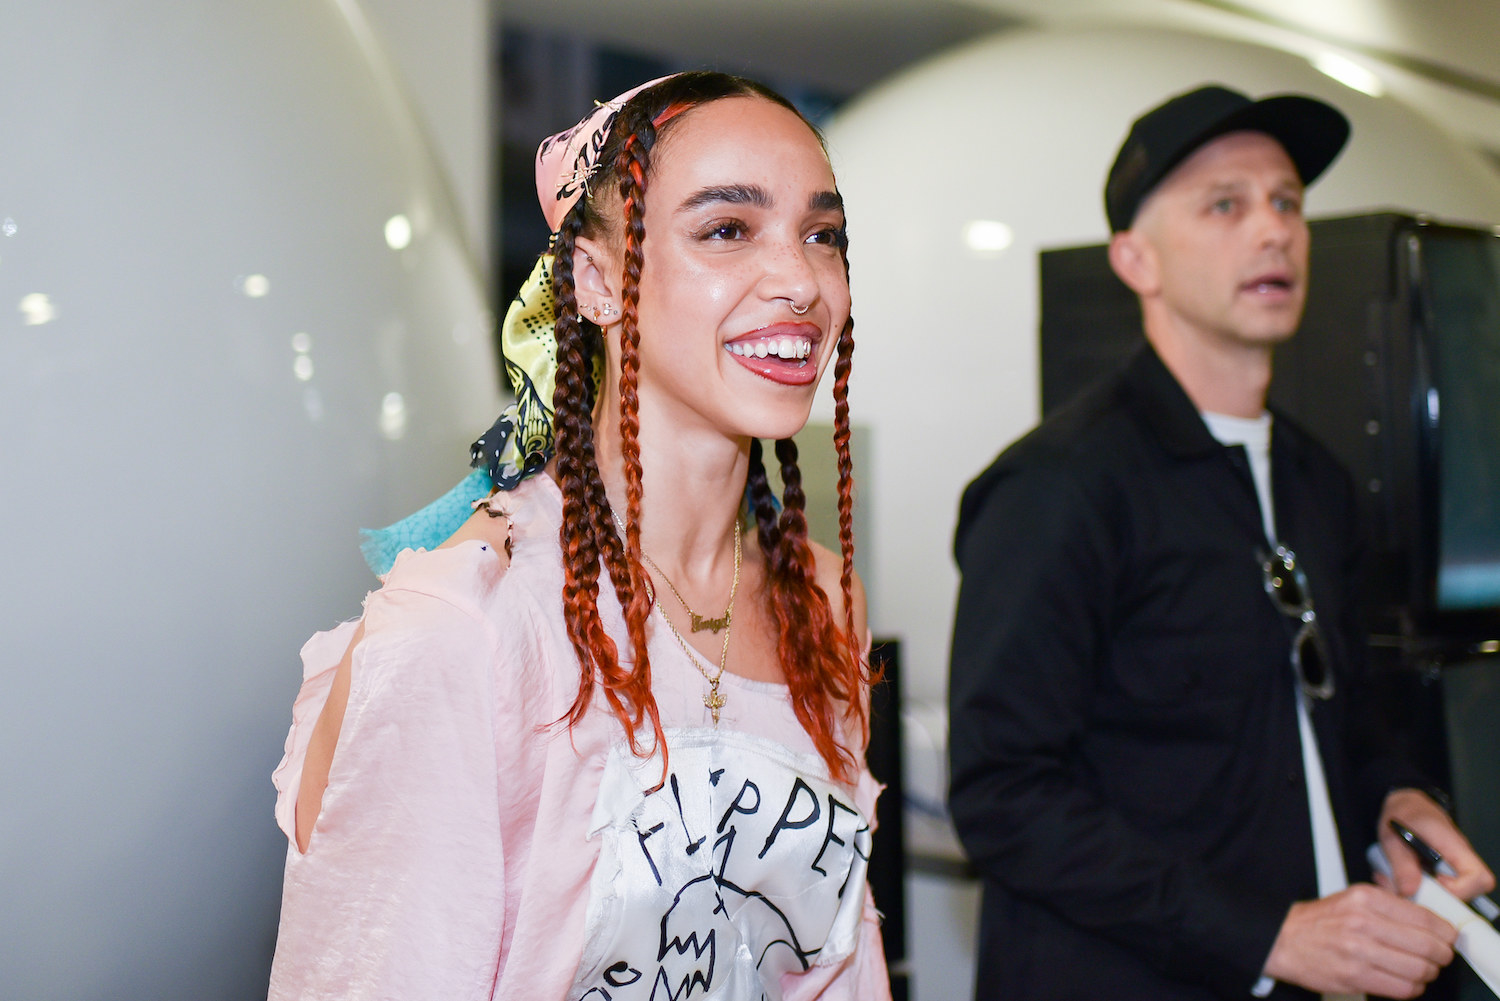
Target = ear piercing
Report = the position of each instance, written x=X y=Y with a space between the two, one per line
x=606 y=310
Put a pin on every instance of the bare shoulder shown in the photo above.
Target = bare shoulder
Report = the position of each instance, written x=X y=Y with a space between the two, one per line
x=828 y=568
x=488 y=524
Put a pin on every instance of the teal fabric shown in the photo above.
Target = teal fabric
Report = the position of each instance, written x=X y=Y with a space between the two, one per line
x=427 y=528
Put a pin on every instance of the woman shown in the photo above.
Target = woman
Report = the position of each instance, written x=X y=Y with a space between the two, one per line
x=519 y=777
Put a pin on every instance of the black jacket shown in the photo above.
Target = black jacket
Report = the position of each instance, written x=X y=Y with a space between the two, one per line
x=1126 y=767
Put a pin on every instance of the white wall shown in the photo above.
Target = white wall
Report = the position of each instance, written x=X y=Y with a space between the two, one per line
x=440 y=50
x=188 y=450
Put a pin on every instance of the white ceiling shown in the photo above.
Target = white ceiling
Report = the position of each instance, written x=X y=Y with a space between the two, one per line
x=1442 y=56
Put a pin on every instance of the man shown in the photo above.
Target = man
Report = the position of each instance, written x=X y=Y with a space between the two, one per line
x=1160 y=761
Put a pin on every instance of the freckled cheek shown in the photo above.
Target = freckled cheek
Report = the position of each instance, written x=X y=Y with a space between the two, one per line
x=833 y=284
x=840 y=303
x=716 y=289
x=699 y=288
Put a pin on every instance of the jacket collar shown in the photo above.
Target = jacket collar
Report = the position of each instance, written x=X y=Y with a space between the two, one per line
x=1162 y=404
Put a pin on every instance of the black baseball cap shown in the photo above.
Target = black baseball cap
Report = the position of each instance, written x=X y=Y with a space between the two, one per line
x=1312 y=133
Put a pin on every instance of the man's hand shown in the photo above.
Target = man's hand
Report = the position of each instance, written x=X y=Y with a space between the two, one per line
x=1432 y=824
x=1361 y=940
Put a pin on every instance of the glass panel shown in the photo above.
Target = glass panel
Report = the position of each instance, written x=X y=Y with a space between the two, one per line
x=1463 y=283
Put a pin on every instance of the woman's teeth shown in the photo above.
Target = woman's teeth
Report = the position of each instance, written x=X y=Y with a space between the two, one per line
x=789 y=348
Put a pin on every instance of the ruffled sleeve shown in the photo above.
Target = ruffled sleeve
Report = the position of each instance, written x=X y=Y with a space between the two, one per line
x=401 y=893
x=320 y=661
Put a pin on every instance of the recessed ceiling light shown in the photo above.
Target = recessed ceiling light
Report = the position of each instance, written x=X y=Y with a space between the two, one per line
x=398 y=232
x=1349 y=73
x=987 y=237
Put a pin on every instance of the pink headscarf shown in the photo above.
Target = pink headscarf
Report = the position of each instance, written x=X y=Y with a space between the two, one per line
x=565 y=162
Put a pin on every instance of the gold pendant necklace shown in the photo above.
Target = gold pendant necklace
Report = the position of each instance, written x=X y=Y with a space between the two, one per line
x=713 y=699
x=699 y=623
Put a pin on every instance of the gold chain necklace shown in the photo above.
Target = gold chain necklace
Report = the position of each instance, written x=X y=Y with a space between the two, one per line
x=699 y=622
x=713 y=699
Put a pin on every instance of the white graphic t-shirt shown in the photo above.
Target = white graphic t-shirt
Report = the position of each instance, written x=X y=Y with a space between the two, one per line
x=746 y=864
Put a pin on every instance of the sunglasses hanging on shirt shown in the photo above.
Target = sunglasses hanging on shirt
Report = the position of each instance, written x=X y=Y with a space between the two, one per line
x=1286 y=583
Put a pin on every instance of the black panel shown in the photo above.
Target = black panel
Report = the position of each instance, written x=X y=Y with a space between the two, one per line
x=1348 y=377
x=1090 y=322
x=888 y=853
x=1356 y=376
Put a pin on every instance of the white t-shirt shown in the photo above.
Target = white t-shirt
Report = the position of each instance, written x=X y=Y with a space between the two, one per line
x=1254 y=435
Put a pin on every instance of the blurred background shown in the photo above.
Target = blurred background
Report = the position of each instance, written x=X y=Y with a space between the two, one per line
x=250 y=260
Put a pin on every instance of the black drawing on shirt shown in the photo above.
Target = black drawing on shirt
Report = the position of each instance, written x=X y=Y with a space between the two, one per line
x=691 y=936
x=622 y=974
x=693 y=846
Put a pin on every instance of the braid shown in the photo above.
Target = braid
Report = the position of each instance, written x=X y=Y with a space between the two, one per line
x=843 y=363
x=762 y=501
x=588 y=534
x=572 y=408
x=631 y=165
x=807 y=642
x=865 y=675
x=793 y=506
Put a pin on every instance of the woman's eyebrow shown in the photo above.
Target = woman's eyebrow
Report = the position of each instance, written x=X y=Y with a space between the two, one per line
x=825 y=201
x=754 y=194
x=734 y=194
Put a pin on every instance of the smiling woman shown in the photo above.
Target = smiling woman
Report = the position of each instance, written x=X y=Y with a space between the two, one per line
x=507 y=781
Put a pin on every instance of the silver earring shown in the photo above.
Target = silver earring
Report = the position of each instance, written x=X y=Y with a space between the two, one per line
x=609 y=310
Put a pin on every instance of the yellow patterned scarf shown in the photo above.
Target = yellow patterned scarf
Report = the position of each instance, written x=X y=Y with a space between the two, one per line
x=520 y=443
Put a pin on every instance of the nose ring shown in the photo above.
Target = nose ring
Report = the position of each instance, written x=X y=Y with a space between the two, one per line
x=801 y=311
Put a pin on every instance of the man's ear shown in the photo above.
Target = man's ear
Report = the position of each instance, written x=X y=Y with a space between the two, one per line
x=596 y=280
x=1134 y=260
